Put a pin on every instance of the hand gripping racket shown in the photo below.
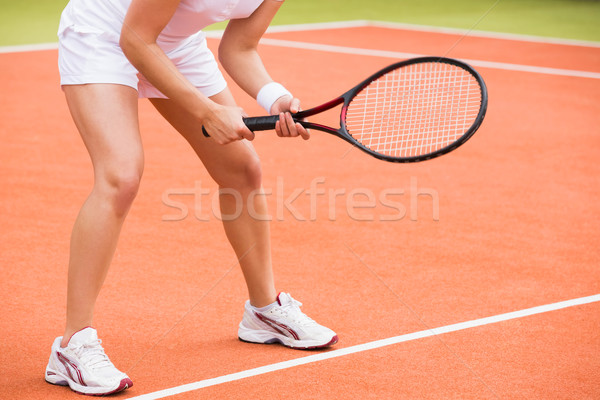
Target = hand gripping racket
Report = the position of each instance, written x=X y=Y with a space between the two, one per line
x=410 y=111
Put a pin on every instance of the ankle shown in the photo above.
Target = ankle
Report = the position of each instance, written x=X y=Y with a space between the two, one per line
x=262 y=300
x=65 y=341
x=69 y=332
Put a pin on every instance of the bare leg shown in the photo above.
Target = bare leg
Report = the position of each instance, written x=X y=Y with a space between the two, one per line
x=234 y=166
x=106 y=117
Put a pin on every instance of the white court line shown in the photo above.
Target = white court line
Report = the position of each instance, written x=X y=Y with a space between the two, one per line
x=365 y=347
x=28 y=47
x=361 y=52
x=359 y=24
x=400 y=55
x=485 y=34
x=384 y=53
x=422 y=28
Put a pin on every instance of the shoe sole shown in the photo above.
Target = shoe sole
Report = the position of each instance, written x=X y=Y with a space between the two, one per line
x=291 y=343
x=57 y=379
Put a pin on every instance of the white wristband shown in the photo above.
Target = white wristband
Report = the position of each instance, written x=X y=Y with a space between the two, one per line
x=269 y=94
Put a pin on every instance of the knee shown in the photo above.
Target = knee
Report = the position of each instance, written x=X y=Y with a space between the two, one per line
x=120 y=187
x=244 y=175
x=252 y=174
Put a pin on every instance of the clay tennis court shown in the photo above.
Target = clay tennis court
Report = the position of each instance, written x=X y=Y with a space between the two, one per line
x=502 y=235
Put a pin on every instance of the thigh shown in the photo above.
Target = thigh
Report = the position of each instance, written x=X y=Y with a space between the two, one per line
x=230 y=165
x=106 y=116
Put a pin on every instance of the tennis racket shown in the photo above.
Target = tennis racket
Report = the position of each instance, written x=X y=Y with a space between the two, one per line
x=410 y=111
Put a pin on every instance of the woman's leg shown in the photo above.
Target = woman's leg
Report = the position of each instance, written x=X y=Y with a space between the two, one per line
x=234 y=167
x=106 y=116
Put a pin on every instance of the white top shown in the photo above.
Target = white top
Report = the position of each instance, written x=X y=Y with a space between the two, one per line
x=194 y=15
x=106 y=17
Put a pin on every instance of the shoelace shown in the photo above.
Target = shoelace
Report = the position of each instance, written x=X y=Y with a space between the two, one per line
x=92 y=354
x=292 y=310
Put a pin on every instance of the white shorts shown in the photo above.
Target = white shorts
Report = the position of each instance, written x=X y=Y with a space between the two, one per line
x=88 y=55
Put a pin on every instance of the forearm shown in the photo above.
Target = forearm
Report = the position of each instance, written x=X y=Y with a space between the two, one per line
x=246 y=69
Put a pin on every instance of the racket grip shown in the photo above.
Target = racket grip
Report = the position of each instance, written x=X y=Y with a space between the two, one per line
x=256 y=123
x=261 y=123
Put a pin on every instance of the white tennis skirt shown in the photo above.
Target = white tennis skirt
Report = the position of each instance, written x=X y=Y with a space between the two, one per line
x=88 y=54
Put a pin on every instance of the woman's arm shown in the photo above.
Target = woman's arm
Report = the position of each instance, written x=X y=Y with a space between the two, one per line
x=238 y=48
x=143 y=23
x=239 y=56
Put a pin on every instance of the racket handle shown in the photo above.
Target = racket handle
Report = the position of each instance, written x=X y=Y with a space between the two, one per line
x=256 y=123
x=261 y=123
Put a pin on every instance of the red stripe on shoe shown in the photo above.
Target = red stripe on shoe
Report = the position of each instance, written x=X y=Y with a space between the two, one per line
x=279 y=327
x=68 y=363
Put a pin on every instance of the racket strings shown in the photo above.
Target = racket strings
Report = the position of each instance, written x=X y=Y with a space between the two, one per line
x=414 y=110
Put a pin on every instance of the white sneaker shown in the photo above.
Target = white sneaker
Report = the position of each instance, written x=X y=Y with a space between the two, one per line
x=284 y=323
x=84 y=366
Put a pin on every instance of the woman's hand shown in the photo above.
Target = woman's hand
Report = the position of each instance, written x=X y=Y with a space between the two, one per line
x=225 y=125
x=285 y=106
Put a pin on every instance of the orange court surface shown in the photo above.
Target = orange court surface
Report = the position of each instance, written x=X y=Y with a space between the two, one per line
x=471 y=276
